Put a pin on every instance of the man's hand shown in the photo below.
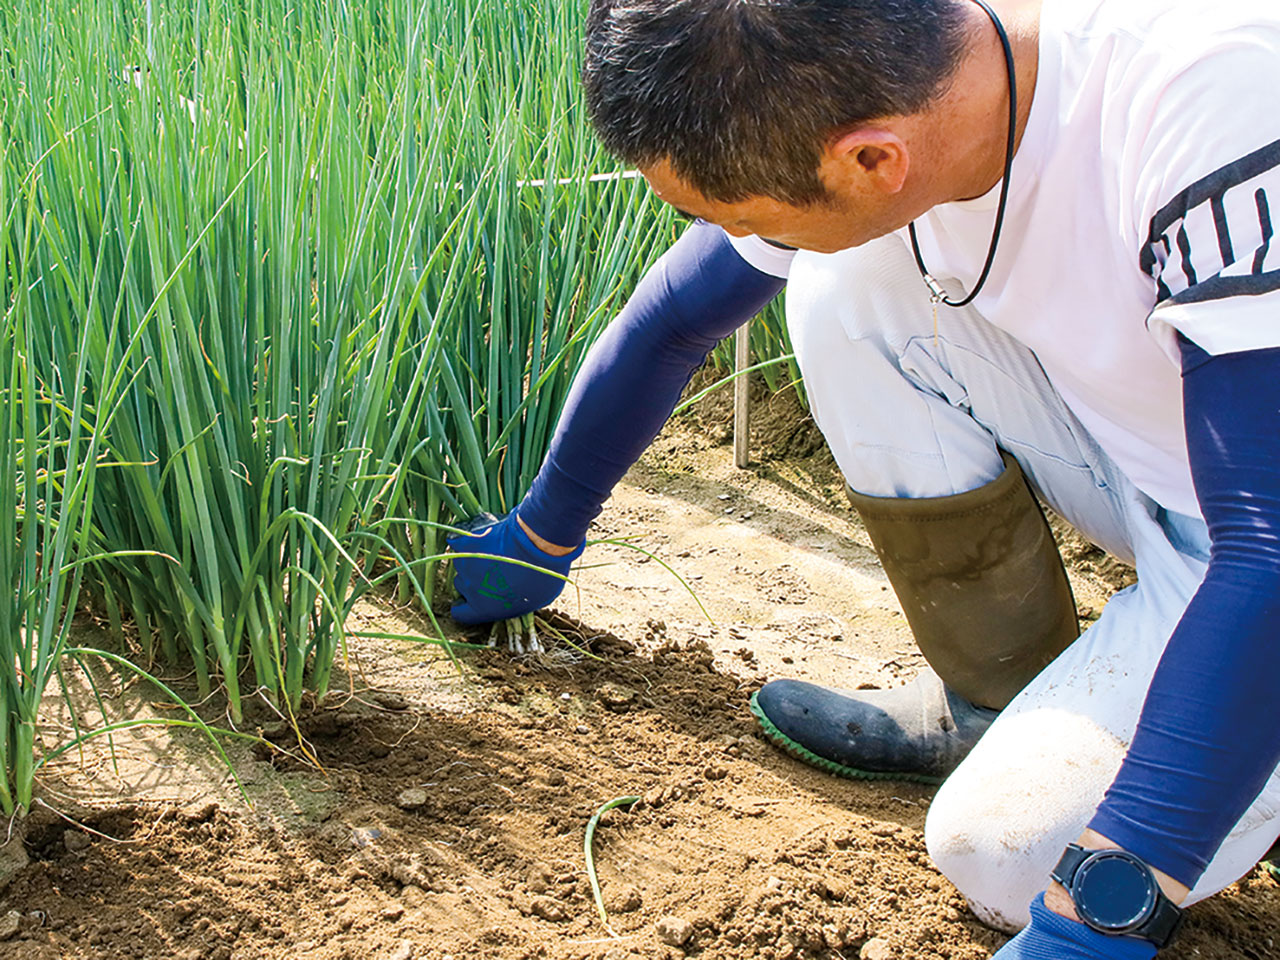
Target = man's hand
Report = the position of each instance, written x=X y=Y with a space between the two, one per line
x=493 y=589
x=1050 y=936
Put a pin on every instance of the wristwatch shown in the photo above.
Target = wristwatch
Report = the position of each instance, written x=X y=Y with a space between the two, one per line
x=1116 y=893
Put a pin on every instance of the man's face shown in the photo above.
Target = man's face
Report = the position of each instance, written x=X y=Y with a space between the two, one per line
x=843 y=221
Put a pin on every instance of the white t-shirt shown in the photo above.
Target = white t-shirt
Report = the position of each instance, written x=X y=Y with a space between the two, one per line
x=1141 y=205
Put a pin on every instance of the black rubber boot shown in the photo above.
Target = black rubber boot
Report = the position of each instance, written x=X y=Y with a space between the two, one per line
x=919 y=732
x=987 y=599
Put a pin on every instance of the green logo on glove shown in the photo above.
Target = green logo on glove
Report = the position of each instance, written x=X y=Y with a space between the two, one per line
x=497 y=590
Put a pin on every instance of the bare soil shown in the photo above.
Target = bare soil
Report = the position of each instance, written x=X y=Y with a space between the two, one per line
x=443 y=815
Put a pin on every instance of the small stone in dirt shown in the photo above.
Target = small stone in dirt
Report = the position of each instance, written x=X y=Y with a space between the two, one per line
x=10 y=923
x=75 y=840
x=582 y=729
x=616 y=697
x=884 y=830
x=392 y=913
x=875 y=949
x=548 y=909
x=411 y=798
x=364 y=836
x=402 y=952
x=674 y=931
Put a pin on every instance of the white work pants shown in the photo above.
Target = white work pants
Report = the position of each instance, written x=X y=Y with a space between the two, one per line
x=910 y=413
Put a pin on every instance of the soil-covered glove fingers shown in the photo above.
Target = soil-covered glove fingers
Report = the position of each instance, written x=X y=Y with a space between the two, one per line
x=491 y=588
x=1051 y=936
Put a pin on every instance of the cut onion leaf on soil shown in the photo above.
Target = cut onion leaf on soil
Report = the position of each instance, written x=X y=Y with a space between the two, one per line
x=626 y=542
x=588 y=852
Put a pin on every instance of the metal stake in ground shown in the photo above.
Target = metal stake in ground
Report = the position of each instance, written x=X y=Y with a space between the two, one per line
x=741 y=399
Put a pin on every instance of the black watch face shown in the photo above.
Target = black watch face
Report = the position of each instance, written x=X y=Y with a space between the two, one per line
x=1114 y=893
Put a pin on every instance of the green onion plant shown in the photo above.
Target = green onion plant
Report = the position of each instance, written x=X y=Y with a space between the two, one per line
x=312 y=281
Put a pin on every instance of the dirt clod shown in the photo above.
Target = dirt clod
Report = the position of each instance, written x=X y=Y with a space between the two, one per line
x=10 y=924
x=876 y=949
x=76 y=840
x=674 y=931
x=623 y=899
x=615 y=696
x=548 y=909
x=413 y=798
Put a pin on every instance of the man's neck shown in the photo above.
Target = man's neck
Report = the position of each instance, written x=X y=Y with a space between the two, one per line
x=969 y=123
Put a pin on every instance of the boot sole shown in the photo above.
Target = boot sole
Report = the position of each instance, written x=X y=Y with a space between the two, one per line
x=805 y=755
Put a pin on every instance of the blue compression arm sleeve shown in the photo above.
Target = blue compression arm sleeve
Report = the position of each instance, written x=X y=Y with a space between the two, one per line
x=700 y=291
x=1207 y=740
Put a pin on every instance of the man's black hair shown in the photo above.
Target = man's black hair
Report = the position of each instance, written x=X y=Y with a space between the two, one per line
x=740 y=96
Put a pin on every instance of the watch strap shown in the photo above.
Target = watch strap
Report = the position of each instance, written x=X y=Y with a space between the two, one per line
x=1069 y=863
x=1164 y=923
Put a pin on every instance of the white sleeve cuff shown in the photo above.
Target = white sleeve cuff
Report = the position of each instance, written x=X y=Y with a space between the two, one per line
x=763 y=256
x=1229 y=325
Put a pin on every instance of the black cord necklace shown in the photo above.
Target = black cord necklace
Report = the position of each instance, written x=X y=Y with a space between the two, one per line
x=937 y=294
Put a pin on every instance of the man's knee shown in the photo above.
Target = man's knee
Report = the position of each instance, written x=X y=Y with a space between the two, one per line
x=1001 y=821
x=964 y=842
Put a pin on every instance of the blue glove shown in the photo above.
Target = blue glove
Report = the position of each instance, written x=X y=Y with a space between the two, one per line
x=1050 y=936
x=493 y=589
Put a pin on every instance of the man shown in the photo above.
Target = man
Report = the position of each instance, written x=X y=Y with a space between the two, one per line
x=1090 y=183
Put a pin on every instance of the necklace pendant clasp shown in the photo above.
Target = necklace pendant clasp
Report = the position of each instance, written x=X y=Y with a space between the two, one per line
x=937 y=295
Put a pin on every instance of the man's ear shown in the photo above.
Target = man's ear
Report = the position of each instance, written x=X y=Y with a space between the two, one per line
x=869 y=156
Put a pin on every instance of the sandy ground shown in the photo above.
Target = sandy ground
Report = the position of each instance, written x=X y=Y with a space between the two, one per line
x=447 y=815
